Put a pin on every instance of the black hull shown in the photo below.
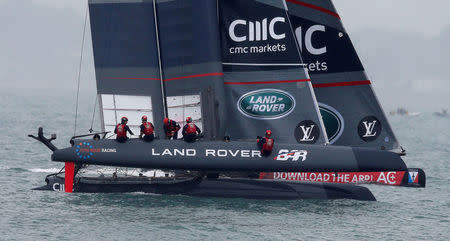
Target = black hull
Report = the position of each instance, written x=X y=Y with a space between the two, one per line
x=221 y=187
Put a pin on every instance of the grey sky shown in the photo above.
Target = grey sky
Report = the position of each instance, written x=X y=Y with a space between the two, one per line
x=403 y=45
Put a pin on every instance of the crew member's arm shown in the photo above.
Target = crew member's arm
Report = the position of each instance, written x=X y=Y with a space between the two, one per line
x=129 y=130
x=142 y=130
x=184 y=130
x=115 y=130
x=166 y=129
x=198 y=129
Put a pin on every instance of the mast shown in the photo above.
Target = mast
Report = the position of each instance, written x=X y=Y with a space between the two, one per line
x=161 y=76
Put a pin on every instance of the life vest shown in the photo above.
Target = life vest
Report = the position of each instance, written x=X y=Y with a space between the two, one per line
x=191 y=129
x=148 y=128
x=171 y=126
x=121 y=131
x=268 y=145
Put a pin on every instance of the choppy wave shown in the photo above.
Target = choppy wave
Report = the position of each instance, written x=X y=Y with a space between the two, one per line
x=44 y=170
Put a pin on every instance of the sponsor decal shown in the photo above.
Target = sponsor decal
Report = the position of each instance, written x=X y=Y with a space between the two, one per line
x=369 y=128
x=305 y=41
x=257 y=31
x=307 y=132
x=322 y=47
x=388 y=178
x=333 y=121
x=253 y=32
x=207 y=153
x=413 y=177
x=58 y=187
x=84 y=150
x=294 y=155
x=266 y=104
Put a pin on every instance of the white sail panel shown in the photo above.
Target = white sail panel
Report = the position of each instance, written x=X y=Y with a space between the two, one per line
x=133 y=107
x=180 y=107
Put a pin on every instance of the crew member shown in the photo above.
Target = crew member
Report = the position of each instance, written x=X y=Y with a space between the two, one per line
x=147 y=130
x=190 y=130
x=171 y=128
x=121 y=130
x=266 y=143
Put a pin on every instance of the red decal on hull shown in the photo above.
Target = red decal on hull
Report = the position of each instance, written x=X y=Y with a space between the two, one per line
x=388 y=178
x=69 y=176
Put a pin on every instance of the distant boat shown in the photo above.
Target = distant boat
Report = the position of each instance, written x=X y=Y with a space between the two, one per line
x=404 y=112
x=442 y=113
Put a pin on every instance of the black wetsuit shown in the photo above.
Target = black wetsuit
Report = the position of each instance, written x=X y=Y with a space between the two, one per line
x=261 y=142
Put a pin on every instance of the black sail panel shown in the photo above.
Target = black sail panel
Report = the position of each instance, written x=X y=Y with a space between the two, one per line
x=191 y=63
x=351 y=111
x=266 y=85
x=126 y=62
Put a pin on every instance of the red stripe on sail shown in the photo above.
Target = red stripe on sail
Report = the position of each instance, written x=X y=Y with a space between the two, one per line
x=182 y=77
x=337 y=84
x=321 y=9
x=195 y=76
x=69 y=176
x=266 y=82
x=137 y=78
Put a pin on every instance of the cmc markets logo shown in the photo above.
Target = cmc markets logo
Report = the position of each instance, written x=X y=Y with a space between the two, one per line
x=84 y=150
x=308 y=39
x=313 y=42
x=333 y=121
x=266 y=104
x=255 y=31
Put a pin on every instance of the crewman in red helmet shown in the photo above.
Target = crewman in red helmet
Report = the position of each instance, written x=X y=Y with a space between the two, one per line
x=266 y=143
x=171 y=128
x=190 y=130
x=147 y=130
x=121 y=130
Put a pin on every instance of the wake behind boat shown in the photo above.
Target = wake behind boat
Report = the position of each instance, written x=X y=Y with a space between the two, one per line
x=233 y=69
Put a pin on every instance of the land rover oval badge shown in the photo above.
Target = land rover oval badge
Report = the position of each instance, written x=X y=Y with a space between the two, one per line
x=266 y=104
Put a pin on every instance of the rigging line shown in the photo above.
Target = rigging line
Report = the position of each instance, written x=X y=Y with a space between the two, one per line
x=93 y=114
x=79 y=70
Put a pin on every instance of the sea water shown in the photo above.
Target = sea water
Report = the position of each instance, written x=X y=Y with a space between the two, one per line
x=399 y=214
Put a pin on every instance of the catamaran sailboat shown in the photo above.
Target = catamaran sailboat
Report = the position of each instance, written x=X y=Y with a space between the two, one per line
x=237 y=68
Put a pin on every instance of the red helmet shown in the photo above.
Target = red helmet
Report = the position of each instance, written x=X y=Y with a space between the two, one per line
x=166 y=121
x=144 y=118
x=188 y=119
x=124 y=119
x=268 y=133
